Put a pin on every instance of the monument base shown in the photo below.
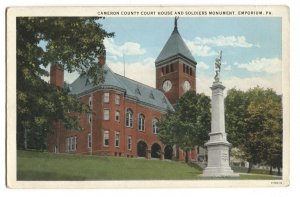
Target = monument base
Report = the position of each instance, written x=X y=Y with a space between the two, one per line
x=219 y=172
x=218 y=157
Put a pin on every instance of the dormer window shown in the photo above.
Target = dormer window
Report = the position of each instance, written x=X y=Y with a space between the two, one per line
x=151 y=95
x=137 y=91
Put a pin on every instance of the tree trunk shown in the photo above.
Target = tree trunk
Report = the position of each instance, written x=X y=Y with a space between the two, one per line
x=250 y=167
x=278 y=171
x=271 y=170
x=186 y=156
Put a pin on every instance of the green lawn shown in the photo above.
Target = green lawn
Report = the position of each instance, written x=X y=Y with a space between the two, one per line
x=48 y=166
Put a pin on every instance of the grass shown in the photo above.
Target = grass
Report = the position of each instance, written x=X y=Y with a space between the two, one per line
x=35 y=166
x=48 y=166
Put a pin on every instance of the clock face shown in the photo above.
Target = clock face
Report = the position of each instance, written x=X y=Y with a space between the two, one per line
x=186 y=86
x=167 y=85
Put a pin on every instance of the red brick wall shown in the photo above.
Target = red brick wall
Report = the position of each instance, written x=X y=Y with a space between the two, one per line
x=99 y=125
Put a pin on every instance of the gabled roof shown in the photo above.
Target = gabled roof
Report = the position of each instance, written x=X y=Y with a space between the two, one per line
x=132 y=89
x=175 y=46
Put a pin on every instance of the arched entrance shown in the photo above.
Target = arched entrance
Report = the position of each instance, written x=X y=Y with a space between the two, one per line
x=141 y=149
x=168 y=152
x=155 y=150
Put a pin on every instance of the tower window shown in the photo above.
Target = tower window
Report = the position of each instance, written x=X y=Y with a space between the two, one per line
x=191 y=71
x=163 y=70
x=167 y=69
x=183 y=67
x=172 y=68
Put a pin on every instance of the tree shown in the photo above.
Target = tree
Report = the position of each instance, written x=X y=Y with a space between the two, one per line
x=189 y=124
x=254 y=125
x=73 y=43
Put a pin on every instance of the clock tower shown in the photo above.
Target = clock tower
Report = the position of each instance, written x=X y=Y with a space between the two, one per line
x=175 y=68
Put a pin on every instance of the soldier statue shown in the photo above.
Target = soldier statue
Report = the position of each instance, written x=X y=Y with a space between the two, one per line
x=218 y=67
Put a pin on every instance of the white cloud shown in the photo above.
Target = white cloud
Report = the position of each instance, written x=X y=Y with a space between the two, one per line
x=203 y=65
x=128 y=48
x=227 y=67
x=143 y=72
x=263 y=65
x=233 y=41
x=200 y=50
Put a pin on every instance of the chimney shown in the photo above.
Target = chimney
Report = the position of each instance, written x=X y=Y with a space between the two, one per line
x=57 y=75
x=102 y=58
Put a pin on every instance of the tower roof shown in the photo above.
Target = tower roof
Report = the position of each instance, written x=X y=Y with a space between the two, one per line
x=175 y=46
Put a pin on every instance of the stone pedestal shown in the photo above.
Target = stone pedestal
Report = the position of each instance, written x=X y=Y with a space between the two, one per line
x=218 y=146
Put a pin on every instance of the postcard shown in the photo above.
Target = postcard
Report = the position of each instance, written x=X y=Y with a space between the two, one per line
x=148 y=97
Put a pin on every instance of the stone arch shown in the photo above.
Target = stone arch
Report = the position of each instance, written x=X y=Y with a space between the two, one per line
x=168 y=152
x=155 y=150
x=142 y=149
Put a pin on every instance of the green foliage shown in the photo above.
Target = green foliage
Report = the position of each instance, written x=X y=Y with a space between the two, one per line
x=254 y=125
x=73 y=43
x=189 y=124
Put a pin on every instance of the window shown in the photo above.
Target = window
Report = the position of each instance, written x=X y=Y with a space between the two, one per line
x=117 y=99
x=167 y=69
x=129 y=143
x=117 y=139
x=183 y=67
x=106 y=97
x=154 y=126
x=141 y=122
x=106 y=138
x=90 y=118
x=106 y=114
x=71 y=144
x=163 y=70
x=117 y=116
x=191 y=71
x=90 y=102
x=129 y=119
x=89 y=140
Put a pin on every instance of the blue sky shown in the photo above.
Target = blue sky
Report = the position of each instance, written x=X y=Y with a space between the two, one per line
x=251 y=48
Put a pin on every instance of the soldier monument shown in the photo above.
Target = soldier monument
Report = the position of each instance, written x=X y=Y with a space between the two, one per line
x=218 y=146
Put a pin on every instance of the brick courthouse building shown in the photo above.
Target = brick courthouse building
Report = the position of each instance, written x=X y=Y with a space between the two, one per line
x=125 y=112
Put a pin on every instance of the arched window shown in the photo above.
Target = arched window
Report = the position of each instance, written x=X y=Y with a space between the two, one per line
x=129 y=120
x=154 y=126
x=141 y=122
